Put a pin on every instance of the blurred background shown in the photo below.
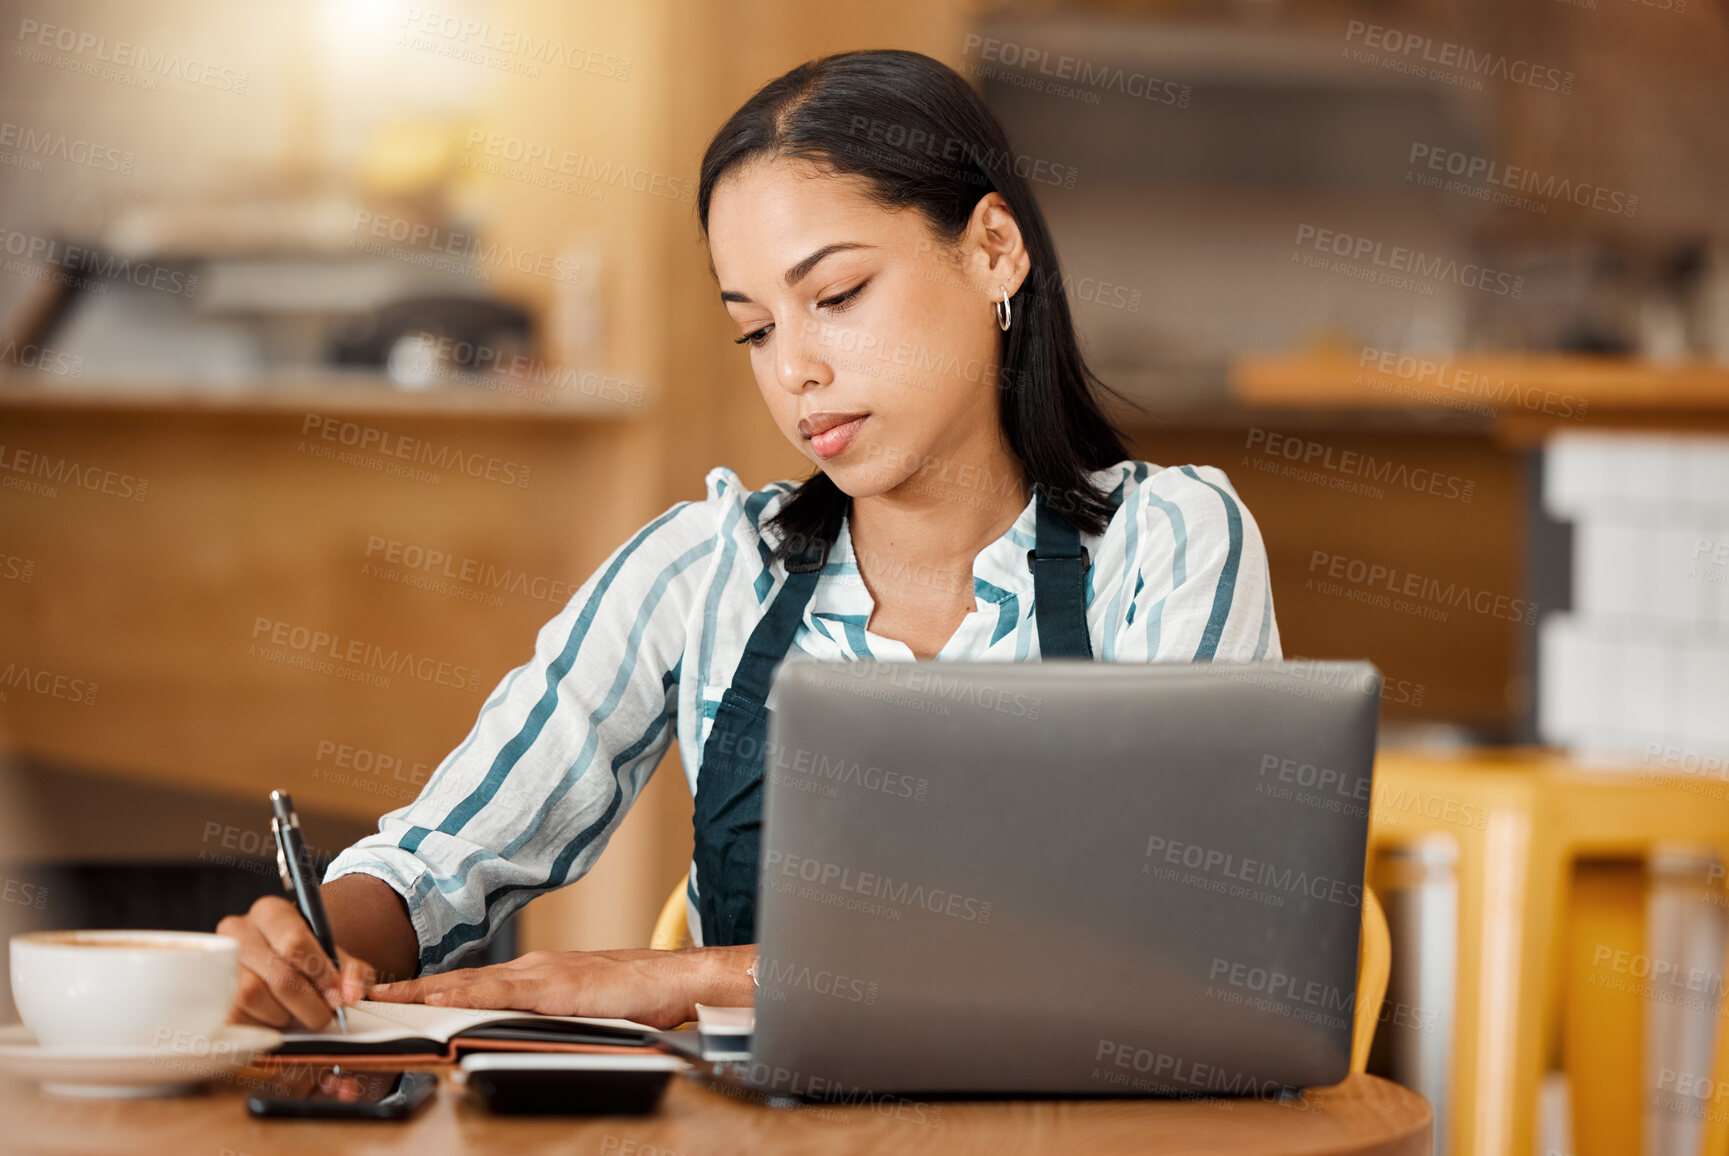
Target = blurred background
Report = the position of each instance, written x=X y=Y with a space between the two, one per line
x=349 y=327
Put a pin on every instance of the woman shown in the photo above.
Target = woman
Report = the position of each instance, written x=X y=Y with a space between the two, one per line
x=899 y=298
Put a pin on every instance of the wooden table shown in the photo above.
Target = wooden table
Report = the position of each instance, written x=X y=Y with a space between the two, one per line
x=1362 y=1115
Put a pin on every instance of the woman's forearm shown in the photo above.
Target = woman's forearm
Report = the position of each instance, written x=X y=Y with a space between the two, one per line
x=370 y=920
x=724 y=978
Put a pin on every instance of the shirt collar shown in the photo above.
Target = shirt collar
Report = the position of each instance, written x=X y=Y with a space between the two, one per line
x=1001 y=565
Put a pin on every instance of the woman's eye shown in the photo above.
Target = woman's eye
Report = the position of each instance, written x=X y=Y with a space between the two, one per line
x=836 y=304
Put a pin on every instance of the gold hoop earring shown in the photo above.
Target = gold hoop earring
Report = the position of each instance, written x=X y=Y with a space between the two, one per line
x=1003 y=311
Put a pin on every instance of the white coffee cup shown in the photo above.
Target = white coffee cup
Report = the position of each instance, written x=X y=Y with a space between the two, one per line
x=162 y=989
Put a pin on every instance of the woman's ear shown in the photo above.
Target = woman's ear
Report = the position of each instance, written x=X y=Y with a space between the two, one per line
x=999 y=251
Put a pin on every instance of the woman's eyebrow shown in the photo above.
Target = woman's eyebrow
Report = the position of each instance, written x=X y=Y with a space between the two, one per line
x=801 y=270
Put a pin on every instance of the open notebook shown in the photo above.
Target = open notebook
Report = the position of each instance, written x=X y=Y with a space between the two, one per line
x=392 y=1032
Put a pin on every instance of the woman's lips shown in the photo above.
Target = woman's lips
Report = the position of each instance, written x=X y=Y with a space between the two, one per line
x=830 y=433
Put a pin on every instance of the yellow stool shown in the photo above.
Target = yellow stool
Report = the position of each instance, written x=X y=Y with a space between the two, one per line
x=1374 y=962
x=1520 y=819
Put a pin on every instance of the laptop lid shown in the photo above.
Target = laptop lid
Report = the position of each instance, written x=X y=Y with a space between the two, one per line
x=1063 y=877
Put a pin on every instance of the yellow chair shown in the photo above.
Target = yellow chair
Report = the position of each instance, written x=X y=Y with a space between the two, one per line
x=1521 y=820
x=672 y=928
x=1374 y=962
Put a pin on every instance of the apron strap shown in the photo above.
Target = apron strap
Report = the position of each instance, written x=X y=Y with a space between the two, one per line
x=728 y=806
x=772 y=638
x=1059 y=564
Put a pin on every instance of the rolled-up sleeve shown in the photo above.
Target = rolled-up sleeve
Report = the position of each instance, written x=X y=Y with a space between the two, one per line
x=561 y=749
x=1202 y=590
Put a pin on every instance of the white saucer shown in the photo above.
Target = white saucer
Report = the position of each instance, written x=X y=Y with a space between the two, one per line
x=131 y=1072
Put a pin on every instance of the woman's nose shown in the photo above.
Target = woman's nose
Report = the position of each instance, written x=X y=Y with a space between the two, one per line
x=804 y=360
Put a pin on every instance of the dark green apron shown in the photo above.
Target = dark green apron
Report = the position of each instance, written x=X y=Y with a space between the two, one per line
x=728 y=812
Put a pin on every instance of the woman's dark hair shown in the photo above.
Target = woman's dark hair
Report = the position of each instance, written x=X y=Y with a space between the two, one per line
x=920 y=137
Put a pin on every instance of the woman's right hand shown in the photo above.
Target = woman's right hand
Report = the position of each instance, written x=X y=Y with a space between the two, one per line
x=286 y=980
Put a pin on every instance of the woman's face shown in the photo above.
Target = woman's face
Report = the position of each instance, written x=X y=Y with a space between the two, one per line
x=874 y=343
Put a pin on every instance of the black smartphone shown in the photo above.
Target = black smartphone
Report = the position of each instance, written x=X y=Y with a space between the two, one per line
x=335 y=1093
x=527 y=1082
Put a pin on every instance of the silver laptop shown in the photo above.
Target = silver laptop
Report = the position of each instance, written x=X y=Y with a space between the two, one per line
x=1061 y=878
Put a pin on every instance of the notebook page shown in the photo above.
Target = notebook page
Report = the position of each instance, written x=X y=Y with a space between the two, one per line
x=370 y=1022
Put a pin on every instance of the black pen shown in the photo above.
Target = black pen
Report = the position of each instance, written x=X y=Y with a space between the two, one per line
x=293 y=863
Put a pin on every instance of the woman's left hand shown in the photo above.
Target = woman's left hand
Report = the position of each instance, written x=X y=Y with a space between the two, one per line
x=658 y=988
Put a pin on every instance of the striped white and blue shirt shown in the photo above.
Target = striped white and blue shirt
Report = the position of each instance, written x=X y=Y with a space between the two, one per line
x=646 y=647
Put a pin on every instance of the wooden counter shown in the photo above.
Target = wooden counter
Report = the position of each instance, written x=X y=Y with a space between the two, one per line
x=1363 y=1115
x=1524 y=395
x=313 y=587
